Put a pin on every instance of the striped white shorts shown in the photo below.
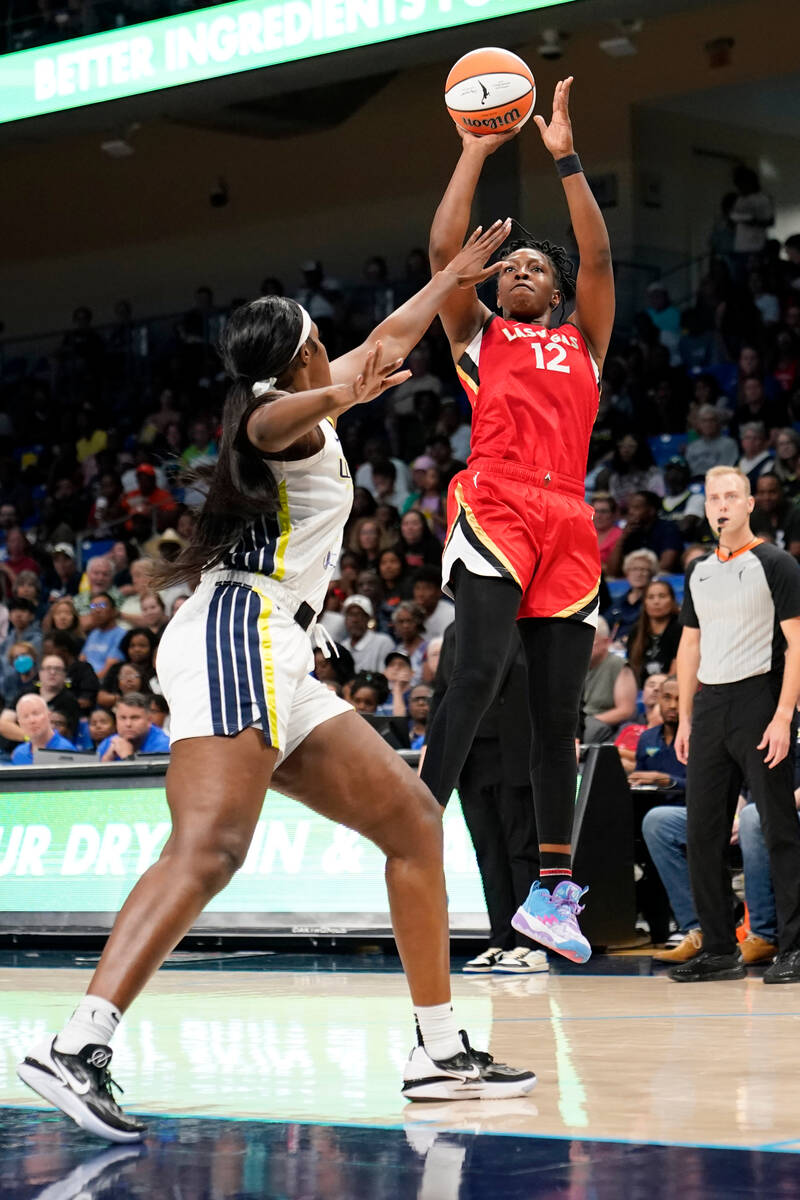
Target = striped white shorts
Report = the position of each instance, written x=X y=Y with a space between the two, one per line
x=233 y=656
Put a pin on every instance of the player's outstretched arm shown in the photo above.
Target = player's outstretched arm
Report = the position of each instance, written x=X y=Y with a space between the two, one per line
x=594 y=294
x=401 y=331
x=463 y=314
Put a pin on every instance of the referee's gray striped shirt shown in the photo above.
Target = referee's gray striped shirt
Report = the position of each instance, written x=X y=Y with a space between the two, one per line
x=738 y=605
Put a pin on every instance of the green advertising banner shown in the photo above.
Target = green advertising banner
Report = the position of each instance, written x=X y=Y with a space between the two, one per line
x=222 y=40
x=76 y=851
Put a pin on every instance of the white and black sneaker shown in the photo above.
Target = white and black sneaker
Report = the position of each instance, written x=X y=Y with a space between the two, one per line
x=521 y=961
x=80 y=1085
x=468 y=1075
x=482 y=964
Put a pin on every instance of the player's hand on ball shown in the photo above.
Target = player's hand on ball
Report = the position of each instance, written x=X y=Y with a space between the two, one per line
x=467 y=266
x=487 y=143
x=376 y=377
x=557 y=136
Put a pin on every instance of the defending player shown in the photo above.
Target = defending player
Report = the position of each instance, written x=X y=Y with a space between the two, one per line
x=521 y=543
x=234 y=665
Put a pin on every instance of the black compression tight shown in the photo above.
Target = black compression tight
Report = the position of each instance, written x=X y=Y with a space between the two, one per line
x=557 y=653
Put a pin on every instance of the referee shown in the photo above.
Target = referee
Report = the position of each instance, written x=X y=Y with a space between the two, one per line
x=741 y=642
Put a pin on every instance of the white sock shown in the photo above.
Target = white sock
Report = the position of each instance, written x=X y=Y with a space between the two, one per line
x=94 y=1022
x=439 y=1030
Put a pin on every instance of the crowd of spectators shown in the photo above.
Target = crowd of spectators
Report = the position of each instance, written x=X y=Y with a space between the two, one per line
x=28 y=23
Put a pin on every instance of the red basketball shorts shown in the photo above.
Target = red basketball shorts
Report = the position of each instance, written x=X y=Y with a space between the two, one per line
x=529 y=525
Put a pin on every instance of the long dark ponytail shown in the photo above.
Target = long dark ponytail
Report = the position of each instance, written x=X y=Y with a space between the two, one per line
x=258 y=342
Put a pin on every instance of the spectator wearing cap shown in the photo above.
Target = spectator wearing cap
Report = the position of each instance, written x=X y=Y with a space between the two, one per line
x=22 y=625
x=399 y=673
x=756 y=457
x=680 y=504
x=148 y=499
x=712 y=448
x=19 y=666
x=35 y=722
x=647 y=530
x=98 y=578
x=102 y=646
x=165 y=547
x=426 y=591
x=368 y=648
x=408 y=624
x=65 y=578
x=136 y=733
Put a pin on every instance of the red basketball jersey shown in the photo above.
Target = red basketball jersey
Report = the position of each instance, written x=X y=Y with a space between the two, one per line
x=534 y=393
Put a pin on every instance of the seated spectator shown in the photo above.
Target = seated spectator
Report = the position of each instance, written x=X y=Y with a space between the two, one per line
x=202 y=448
x=433 y=652
x=368 y=691
x=35 y=722
x=154 y=613
x=431 y=501
x=20 y=667
x=376 y=450
x=62 y=616
x=388 y=517
x=419 y=707
x=653 y=641
x=426 y=591
x=347 y=569
x=756 y=408
x=657 y=764
x=368 y=648
x=680 y=504
x=606 y=516
x=136 y=734
x=28 y=586
x=130 y=612
x=399 y=673
x=711 y=448
x=148 y=499
x=108 y=512
x=409 y=630
x=638 y=568
x=138 y=648
x=83 y=682
x=159 y=712
x=756 y=457
x=417 y=544
x=646 y=530
x=387 y=489
x=368 y=583
x=664 y=830
x=452 y=425
x=53 y=686
x=67 y=576
x=774 y=516
x=665 y=316
x=22 y=624
x=102 y=646
x=786 y=465
x=98 y=577
x=331 y=615
x=441 y=452
x=632 y=469
x=609 y=693
x=364 y=538
x=391 y=570
x=17 y=555
x=647 y=715
x=101 y=726
x=334 y=668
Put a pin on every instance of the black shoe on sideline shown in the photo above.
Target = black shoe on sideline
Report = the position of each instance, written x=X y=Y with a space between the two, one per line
x=707 y=968
x=785 y=969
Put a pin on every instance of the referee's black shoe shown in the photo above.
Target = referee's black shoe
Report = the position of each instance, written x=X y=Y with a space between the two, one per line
x=707 y=968
x=80 y=1085
x=785 y=969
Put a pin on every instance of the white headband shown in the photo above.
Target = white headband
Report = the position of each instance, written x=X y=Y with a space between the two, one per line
x=265 y=385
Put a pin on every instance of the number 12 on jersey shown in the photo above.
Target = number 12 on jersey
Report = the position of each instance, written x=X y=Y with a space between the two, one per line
x=555 y=360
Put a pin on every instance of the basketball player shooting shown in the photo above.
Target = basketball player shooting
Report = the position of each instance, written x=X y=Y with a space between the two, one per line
x=521 y=545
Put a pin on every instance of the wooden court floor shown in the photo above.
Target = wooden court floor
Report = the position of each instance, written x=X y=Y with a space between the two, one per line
x=630 y=1058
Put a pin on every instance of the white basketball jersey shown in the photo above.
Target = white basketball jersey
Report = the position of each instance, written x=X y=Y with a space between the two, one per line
x=299 y=544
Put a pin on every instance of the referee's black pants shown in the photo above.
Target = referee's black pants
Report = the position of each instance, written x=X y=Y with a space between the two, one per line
x=501 y=822
x=728 y=723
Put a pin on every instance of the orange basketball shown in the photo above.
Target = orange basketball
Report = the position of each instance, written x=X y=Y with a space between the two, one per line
x=490 y=90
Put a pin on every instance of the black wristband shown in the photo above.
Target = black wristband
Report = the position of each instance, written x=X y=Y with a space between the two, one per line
x=570 y=164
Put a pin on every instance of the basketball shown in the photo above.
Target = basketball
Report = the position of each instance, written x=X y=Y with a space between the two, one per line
x=490 y=90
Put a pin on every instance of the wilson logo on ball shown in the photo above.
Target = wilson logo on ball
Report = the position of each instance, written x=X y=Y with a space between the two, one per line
x=490 y=89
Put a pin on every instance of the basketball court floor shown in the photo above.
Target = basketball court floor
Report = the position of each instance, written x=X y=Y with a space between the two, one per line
x=272 y=1075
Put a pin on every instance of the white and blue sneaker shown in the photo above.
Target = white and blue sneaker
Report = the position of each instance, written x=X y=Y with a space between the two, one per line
x=553 y=920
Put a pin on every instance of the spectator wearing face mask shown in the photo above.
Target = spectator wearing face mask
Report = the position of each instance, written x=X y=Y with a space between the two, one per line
x=20 y=668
